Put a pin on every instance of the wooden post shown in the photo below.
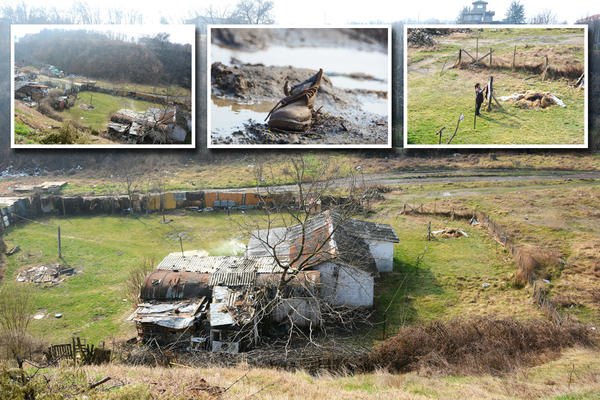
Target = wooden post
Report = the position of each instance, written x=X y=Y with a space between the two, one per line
x=514 y=56
x=181 y=244
x=477 y=49
x=429 y=231
x=545 y=70
x=439 y=133
x=74 y=353
x=491 y=51
x=59 y=245
x=459 y=56
x=490 y=93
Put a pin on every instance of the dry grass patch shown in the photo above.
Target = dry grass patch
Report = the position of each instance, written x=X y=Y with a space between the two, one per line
x=476 y=346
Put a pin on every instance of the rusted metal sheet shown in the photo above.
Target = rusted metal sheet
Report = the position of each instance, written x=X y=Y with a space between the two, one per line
x=171 y=315
x=172 y=285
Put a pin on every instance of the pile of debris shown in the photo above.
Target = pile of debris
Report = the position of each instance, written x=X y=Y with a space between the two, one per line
x=450 y=233
x=534 y=99
x=45 y=187
x=155 y=125
x=51 y=273
x=420 y=38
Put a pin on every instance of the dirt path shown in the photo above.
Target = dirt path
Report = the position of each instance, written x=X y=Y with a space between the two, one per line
x=445 y=176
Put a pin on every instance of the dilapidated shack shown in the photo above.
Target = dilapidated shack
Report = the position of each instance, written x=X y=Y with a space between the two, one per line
x=227 y=291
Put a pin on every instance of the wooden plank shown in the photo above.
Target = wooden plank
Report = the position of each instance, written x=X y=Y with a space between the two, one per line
x=467 y=53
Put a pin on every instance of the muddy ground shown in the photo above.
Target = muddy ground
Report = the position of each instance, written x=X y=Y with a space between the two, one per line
x=254 y=39
x=336 y=117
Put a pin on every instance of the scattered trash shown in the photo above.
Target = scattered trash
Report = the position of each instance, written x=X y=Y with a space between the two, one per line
x=420 y=38
x=485 y=285
x=52 y=273
x=546 y=281
x=13 y=250
x=38 y=316
x=474 y=221
x=58 y=315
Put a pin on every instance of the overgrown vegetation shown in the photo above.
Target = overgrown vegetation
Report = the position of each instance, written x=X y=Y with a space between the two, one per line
x=476 y=346
x=108 y=56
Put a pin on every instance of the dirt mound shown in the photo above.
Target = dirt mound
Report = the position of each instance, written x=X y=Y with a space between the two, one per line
x=475 y=346
x=255 y=82
x=534 y=262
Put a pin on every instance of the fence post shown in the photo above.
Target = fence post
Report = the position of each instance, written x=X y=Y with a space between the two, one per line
x=59 y=244
x=490 y=93
x=491 y=51
x=514 y=56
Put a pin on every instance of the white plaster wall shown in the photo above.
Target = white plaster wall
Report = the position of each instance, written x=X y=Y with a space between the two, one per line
x=346 y=286
x=383 y=253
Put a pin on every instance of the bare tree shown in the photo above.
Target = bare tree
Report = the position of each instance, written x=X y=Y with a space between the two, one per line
x=131 y=182
x=254 y=11
x=544 y=17
x=303 y=226
x=215 y=14
x=15 y=316
x=137 y=276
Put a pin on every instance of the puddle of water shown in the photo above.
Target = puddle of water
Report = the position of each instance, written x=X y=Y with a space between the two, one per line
x=228 y=116
x=331 y=59
x=374 y=104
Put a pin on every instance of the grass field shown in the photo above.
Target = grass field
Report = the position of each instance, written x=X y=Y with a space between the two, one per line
x=446 y=283
x=436 y=99
x=561 y=219
x=105 y=105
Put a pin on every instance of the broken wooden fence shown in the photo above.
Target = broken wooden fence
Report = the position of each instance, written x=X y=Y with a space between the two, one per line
x=79 y=352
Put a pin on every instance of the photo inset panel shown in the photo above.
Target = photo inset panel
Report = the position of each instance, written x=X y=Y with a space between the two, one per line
x=103 y=86
x=495 y=86
x=299 y=87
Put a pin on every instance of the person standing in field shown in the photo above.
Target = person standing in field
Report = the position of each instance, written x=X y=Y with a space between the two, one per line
x=479 y=97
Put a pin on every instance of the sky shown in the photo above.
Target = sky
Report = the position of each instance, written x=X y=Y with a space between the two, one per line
x=331 y=12
x=177 y=34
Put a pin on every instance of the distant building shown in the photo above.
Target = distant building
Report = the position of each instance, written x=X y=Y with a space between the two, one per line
x=478 y=14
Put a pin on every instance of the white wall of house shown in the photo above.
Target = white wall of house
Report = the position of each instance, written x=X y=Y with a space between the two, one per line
x=383 y=253
x=346 y=286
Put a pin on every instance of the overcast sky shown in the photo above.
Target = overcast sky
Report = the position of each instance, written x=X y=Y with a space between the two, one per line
x=315 y=12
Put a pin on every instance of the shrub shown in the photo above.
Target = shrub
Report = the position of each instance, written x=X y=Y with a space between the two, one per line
x=475 y=346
